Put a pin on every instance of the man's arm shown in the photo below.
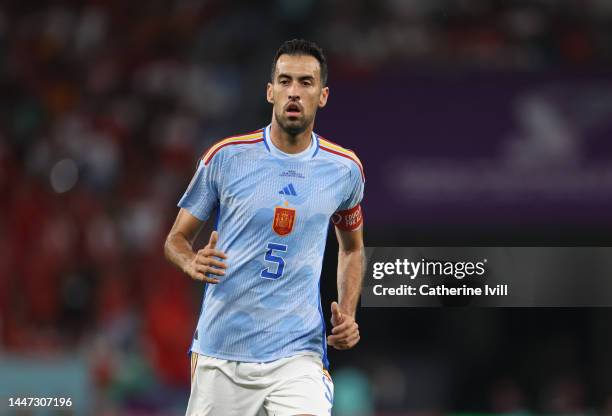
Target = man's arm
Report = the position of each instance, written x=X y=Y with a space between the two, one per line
x=350 y=269
x=178 y=249
x=345 y=331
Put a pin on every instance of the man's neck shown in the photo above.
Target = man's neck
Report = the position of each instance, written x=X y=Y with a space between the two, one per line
x=288 y=143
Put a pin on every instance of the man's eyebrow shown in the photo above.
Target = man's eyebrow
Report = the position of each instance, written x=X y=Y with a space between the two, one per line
x=302 y=77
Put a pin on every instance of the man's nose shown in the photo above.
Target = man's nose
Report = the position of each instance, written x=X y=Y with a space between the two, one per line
x=294 y=94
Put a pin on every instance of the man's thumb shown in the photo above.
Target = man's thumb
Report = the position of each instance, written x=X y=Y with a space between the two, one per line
x=212 y=242
x=336 y=310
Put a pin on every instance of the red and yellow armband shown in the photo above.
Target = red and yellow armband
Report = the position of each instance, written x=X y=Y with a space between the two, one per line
x=349 y=219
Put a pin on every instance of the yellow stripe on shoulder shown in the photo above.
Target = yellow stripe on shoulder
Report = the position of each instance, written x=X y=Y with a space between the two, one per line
x=340 y=149
x=214 y=147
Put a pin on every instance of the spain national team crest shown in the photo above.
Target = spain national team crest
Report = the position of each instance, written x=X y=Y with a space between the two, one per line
x=284 y=218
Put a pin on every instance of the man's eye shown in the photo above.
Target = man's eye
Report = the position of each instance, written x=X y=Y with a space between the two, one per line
x=306 y=83
x=284 y=81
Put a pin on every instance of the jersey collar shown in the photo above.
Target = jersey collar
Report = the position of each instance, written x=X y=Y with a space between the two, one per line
x=309 y=153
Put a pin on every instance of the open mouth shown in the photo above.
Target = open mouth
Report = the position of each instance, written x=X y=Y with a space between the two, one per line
x=293 y=109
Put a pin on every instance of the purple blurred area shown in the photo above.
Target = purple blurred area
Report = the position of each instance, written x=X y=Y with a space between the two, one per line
x=481 y=149
x=477 y=121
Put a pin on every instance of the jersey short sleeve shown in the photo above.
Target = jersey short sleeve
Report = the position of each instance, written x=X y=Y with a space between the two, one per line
x=202 y=194
x=354 y=189
x=349 y=217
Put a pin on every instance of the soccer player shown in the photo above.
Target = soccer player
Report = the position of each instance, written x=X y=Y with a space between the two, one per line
x=260 y=342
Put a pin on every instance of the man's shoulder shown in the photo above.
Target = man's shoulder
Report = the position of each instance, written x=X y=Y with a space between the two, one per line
x=232 y=144
x=341 y=155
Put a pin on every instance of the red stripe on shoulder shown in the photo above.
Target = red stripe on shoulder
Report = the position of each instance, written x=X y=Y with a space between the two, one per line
x=336 y=144
x=327 y=149
x=327 y=140
x=230 y=137
x=236 y=137
x=209 y=158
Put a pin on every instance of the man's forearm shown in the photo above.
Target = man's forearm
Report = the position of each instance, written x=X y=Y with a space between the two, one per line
x=179 y=251
x=350 y=277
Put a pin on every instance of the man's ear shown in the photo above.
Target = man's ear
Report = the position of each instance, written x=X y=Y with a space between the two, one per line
x=269 y=94
x=323 y=97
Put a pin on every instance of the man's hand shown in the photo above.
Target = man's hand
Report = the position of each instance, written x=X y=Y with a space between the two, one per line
x=205 y=262
x=345 y=331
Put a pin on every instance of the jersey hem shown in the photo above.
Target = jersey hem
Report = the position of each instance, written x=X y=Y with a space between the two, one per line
x=245 y=359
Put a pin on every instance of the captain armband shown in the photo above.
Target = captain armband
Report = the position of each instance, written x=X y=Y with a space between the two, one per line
x=349 y=219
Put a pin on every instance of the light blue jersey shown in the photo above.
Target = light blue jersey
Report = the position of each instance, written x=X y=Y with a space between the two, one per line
x=274 y=211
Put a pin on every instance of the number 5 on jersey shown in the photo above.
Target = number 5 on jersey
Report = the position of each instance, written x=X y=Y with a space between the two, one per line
x=276 y=259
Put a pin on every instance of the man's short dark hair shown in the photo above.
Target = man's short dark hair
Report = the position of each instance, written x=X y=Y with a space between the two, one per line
x=302 y=47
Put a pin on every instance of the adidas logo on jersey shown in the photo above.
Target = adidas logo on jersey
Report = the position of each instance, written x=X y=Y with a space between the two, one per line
x=288 y=190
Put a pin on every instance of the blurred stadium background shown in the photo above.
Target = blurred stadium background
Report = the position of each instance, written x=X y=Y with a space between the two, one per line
x=479 y=122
